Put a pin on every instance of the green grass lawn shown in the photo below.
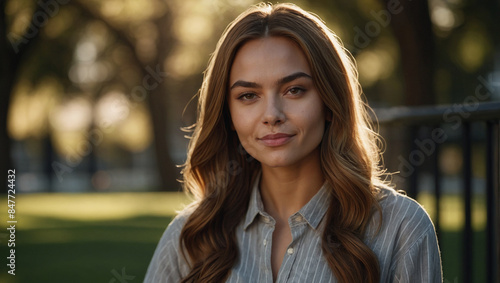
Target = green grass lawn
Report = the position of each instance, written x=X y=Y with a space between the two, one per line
x=100 y=237
x=87 y=237
x=87 y=252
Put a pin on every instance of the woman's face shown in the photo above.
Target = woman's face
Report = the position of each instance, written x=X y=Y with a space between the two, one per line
x=275 y=108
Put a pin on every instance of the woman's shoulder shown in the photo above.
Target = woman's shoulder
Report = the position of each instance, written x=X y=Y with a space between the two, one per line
x=398 y=207
x=175 y=226
x=171 y=235
x=402 y=218
x=168 y=264
x=404 y=239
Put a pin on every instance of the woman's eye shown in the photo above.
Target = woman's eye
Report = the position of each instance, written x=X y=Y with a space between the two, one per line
x=247 y=96
x=295 y=91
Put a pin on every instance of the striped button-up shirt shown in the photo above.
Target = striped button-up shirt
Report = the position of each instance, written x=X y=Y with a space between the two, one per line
x=405 y=245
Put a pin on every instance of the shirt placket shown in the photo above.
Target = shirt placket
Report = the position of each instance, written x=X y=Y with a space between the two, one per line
x=297 y=227
x=268 y=229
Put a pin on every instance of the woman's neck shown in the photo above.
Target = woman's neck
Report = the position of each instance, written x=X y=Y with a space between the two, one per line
x=285 y=190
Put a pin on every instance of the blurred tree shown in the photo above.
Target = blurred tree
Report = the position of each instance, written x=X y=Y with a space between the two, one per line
x=152 y=71
x=15 y=46
x=131 y=53
x=11 y=56
x=151 y=55
x=412 y=28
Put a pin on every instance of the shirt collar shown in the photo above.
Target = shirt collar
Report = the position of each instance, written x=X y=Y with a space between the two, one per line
x=255 y=206
x=312 y=212
x=316 y=208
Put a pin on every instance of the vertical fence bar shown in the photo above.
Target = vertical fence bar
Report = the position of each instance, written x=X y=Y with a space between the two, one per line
x=492 y=201
x=437 y=190
x=467 y=178
x=412 y=189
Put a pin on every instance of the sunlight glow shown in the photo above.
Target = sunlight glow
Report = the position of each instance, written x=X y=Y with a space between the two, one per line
x=88 y=68
x=374 y=65
x=193 y=29
x=452 y=211
x=72 y=115
x=473 y=47
x=443 y=18
x=112 y=8
x=112 y=108
x=184 y=61
x=69 y=122
x=135 y=132
x=28 y=112
x=89 y=72
x=130 y=11
x=86 y=51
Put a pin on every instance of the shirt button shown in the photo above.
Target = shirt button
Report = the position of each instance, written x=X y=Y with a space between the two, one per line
x=290 y=251
x=265 y=242
x=299 y=218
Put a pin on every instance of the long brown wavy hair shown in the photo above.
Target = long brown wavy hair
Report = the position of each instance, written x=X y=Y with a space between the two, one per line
x=220 y=174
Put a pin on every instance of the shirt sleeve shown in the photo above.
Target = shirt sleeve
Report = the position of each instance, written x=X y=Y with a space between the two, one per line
x=421 y=262
x=168 y=264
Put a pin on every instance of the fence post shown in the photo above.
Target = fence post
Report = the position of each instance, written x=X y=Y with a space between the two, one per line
x=492 y=200
x=467 y=178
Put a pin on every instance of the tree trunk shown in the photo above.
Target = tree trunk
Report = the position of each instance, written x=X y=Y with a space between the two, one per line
x=5 y=142
x=158 y=100
x=410 y=21
x=9 y=59
x=413 y=29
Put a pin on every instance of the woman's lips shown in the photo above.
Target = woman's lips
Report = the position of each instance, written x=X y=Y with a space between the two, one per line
x=276 y=139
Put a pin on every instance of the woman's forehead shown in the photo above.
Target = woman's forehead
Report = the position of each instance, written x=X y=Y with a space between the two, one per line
x=268 y=58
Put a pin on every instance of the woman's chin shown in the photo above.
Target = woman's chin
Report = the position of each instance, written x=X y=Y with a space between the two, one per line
x=276 y=163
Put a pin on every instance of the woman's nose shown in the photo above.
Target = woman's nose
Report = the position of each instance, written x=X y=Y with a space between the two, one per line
x=273 y=113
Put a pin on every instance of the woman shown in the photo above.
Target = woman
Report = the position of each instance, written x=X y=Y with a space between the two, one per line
x=284 y=166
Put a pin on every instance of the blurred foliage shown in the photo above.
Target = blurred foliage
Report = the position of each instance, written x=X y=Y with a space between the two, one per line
x=90 y=73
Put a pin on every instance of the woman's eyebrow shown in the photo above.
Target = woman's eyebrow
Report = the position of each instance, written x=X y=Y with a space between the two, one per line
x=284 y=80
x=293 y=77
x=245 y=84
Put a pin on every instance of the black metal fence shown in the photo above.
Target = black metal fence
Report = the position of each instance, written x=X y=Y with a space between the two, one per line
x=427 y=131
